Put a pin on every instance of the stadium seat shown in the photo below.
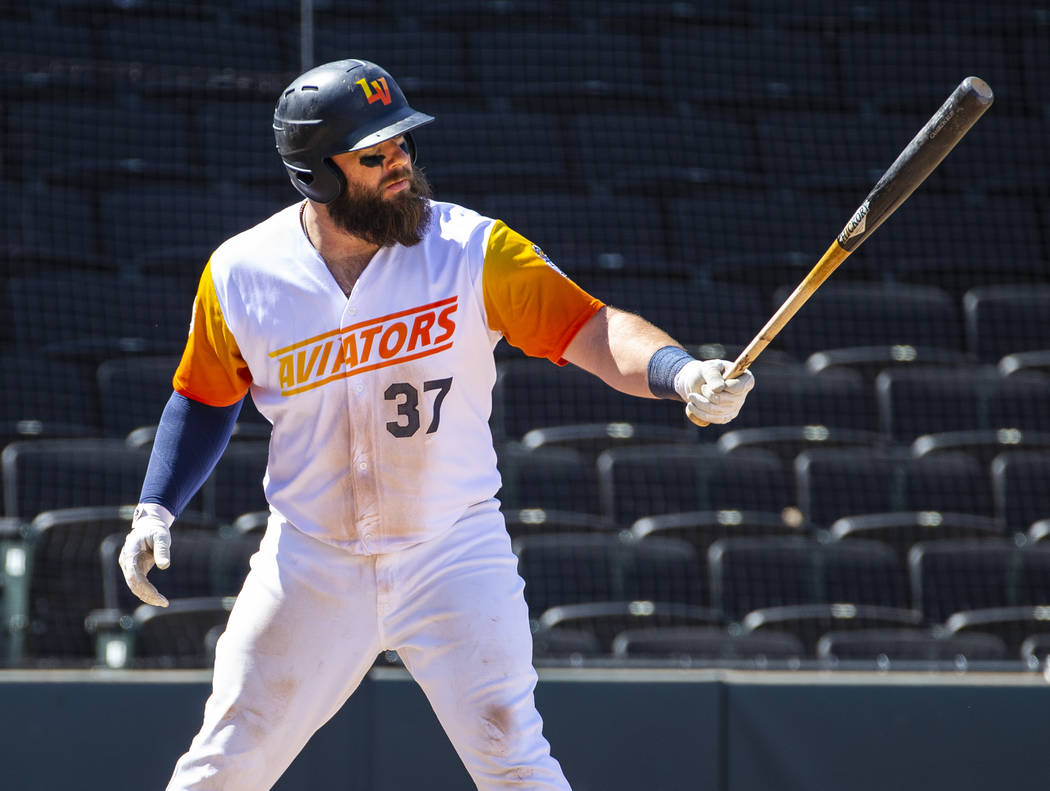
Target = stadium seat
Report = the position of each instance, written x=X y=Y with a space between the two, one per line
x=902 y=529
x=60 y=229
x=132 y=391
x=138 y=220
x=983 y=268
x=423 y=62
x=885 y=647
x=810 y=622
x=235 y=485
x=735 y=222
x=846 y=315
x=648 y=480
x=580 y=232
x=629 y=151
x=1034 y=64
x=166 y=45
x=564 y=645
x=1037 y=361
x=1035 y=651
x=1012 y=625
x=771 y=270
x=829 y=150
x=176 y=636
x=250 y=123
x=556 y=479
x=755 y=67
x=540 y=521
x=707 y=644
x=36 y=42
x=982 y=444
x=62 y=580
x=1019 y=486
x=870 y=361
x=942 y=58
x=532 y=394
x=484 y=151
x=941 y=225
x=592 y=64
x=1002 y=320
x=824 y=16
x=757 y=573
x=917 y=401
x=702 y=528
x=573 y=568
x=949 y=481
x=836 y=399
x=477 y=14
x=56 y=139
x=42 y=475
x=103 y=314
x=689 y=310
x=954 y=576
x=204 y=563
x=838 y=482
x=46 y=398
x=982 y=161
x=789 y=441
x=591 y=439
x=606 y=620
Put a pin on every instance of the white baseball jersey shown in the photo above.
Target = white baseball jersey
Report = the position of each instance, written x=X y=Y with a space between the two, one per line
x=379 y=402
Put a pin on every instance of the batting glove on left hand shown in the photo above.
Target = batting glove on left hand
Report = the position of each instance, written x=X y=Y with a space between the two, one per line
x=708 y=397
x=148 y=544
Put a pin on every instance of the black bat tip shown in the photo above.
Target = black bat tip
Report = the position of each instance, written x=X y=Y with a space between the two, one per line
x=981 y=90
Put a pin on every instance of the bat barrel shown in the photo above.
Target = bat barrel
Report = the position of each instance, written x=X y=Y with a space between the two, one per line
x=924 y=153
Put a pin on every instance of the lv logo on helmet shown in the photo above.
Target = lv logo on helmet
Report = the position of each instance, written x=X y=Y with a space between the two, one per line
x=378 y=92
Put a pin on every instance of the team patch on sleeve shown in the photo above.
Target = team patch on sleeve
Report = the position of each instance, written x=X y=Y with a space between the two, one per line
x=529 y=299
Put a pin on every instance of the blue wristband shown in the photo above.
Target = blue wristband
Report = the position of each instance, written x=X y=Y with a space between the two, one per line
x=664 y=366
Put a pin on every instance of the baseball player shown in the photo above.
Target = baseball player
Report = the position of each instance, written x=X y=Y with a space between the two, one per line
x=363 y=320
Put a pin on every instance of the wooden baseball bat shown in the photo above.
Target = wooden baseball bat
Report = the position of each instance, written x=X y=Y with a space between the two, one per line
x=926 y=150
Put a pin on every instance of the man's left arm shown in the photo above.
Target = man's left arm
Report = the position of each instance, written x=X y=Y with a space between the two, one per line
x=635 y=357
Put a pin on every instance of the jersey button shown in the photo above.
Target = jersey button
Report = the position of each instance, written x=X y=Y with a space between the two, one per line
x=363 y=465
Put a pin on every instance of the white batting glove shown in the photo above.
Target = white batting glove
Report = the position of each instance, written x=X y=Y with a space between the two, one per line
x=148 y=544
x=708 y=397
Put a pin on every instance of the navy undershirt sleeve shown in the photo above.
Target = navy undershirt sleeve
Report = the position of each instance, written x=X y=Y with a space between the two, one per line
x=190 y=439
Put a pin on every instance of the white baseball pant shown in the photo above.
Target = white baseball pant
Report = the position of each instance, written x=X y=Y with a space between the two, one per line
x=311 y=620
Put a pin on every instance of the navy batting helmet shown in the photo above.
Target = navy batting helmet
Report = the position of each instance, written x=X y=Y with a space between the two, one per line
x=341 y=106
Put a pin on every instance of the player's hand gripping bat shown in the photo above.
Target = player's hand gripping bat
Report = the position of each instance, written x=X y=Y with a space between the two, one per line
x=926 y=150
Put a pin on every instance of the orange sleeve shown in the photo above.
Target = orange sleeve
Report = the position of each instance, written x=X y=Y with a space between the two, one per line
x=528 y=299
x=212 y=370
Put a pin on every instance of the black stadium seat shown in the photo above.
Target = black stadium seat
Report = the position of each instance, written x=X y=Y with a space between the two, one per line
x=663 y=479
x=580 y=232
x=1002 y=320
x=606 y=620
x=851 y=314
x=757 y=573
x=574 y=568
x=1019 y=482
x=46 y=474
x=955 y=576
x=811 y=623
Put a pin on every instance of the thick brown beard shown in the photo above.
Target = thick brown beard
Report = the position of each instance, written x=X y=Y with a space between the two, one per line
x=365 y=213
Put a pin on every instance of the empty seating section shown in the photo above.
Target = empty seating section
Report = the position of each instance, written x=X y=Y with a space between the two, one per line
x=882 y=500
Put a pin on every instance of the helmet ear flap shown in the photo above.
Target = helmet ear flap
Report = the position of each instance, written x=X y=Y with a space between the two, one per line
x=330 y=182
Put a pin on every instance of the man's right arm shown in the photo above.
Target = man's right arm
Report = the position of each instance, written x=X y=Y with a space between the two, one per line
x=191 y=438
